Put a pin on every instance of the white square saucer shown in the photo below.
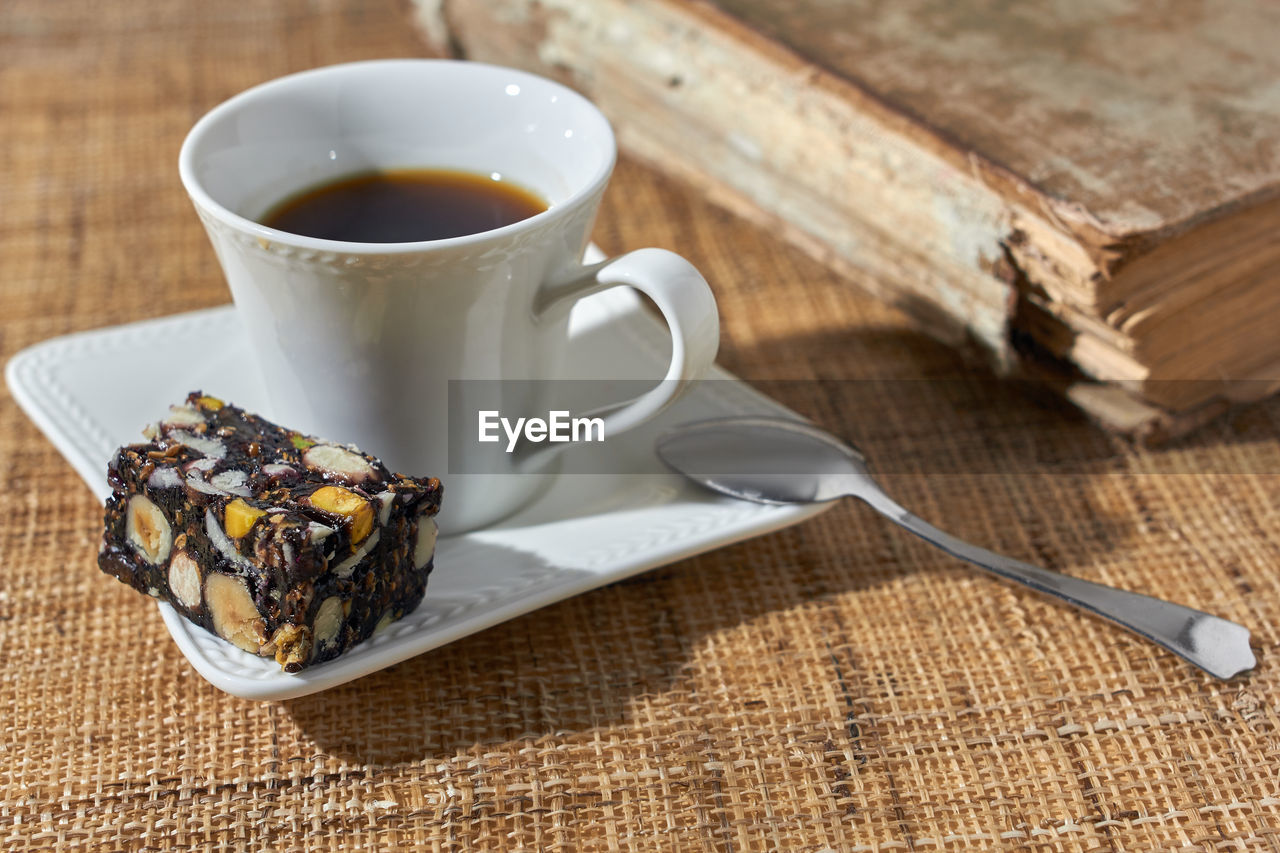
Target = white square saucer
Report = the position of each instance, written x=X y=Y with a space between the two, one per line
x=586 y=531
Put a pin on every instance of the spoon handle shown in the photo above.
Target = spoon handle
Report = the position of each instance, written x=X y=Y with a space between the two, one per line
x=1216 y=645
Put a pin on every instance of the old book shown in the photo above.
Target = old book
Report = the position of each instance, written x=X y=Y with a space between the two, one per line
x=1088 y=192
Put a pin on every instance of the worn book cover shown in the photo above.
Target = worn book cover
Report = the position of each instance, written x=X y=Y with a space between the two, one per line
x=1084 y=191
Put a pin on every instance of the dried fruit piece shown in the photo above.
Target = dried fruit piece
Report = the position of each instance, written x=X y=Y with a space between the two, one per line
x=210 y=403
x=347 y=503
x=235 y=618
x=240 y=517
x=338 y=462
x=148 y=530
x=184 y=579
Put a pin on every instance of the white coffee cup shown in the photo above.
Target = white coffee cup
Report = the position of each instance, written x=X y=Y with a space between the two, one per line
x=357 y=342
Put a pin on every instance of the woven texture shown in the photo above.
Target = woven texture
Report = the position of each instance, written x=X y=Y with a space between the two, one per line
x=836 y=685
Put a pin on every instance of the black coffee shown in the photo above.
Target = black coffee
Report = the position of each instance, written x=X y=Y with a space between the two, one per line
x=404 y=206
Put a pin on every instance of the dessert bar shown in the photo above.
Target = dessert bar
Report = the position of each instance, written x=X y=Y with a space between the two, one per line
x=280 y=543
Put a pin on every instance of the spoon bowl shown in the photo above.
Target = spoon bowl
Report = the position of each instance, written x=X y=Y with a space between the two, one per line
x=766 y=460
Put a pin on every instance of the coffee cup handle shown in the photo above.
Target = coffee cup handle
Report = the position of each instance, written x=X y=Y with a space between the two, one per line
x=687 y=305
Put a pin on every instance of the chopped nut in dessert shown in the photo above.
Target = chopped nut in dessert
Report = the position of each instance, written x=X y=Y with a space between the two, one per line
x=338 y=462
x=347 y=504
x=239 y=518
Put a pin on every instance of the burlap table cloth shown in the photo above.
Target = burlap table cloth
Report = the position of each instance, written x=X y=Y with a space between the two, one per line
x=837 y=685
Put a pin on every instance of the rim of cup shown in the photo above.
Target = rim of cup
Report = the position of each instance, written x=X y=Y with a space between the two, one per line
x=201 y=197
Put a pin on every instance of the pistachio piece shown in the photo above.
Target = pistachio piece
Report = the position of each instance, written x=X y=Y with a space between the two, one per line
x=338 y=462
x=344 y=502
x=235 y=617
x=184 y=579
x=148 y=530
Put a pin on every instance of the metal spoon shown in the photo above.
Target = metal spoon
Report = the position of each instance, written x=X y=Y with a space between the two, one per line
x=777 y=461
